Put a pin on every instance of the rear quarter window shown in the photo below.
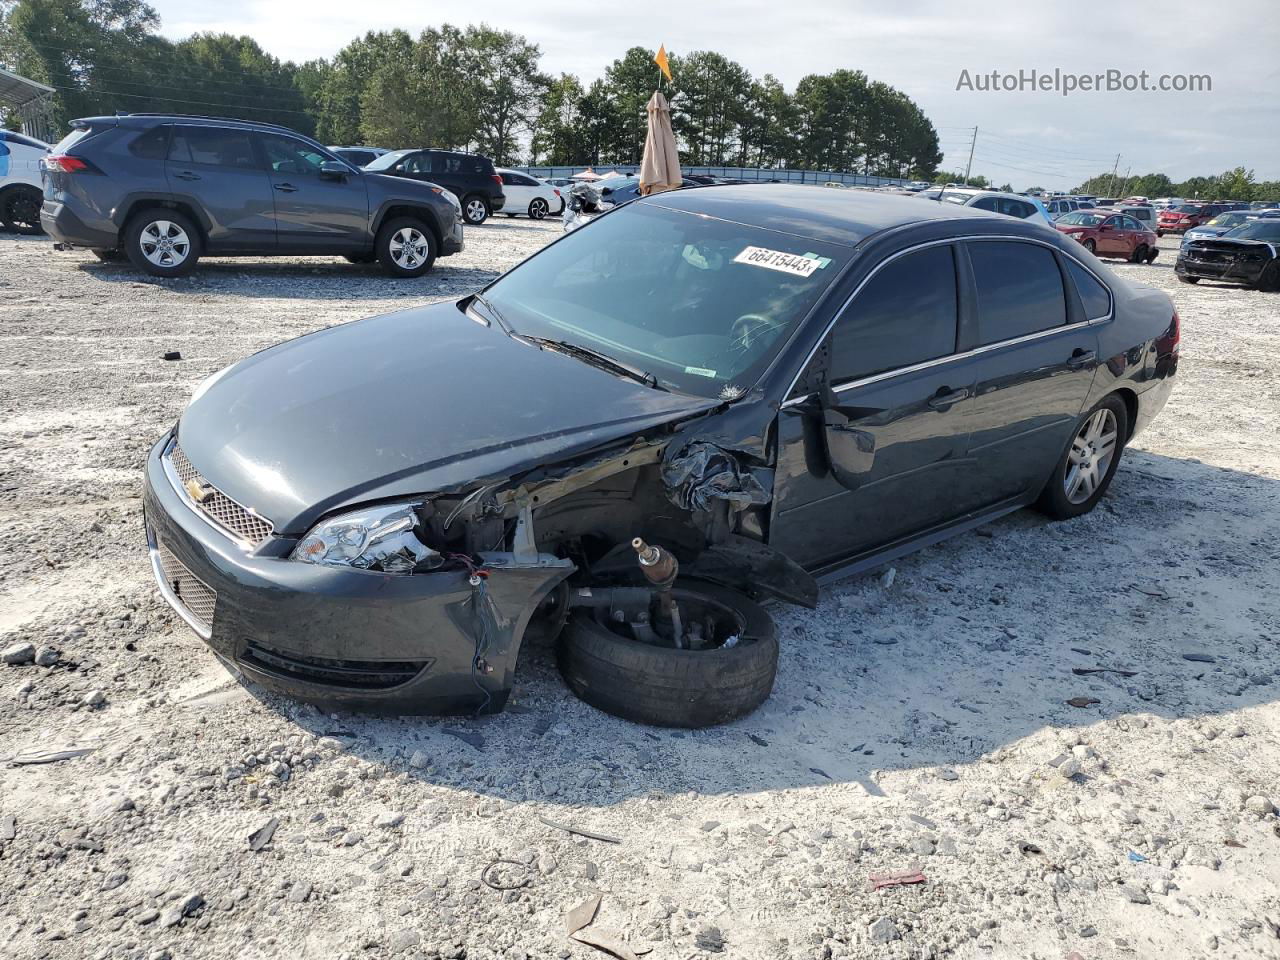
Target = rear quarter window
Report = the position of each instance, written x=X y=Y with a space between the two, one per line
x=1093 y=295
x=1019 y=289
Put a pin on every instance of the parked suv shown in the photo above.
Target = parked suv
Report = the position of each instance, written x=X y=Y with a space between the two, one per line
x=471 y=177
x=168 y=189
x=1188 y=215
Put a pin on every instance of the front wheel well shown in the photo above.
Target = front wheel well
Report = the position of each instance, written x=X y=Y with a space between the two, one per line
x=417 y=213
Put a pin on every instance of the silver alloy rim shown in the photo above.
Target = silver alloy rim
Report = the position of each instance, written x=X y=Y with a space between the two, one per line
x=538 y=209
x=1090 y=456
x=475 y=211
x=409 y=248
x=165 y=243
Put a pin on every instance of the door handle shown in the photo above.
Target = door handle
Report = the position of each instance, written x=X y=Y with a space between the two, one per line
x=187 y=175
x=286 y=188
x=1081 y=359
x=945 y=398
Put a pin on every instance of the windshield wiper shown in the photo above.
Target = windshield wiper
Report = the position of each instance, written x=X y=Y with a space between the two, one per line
x=597 y=359
x=485 y=302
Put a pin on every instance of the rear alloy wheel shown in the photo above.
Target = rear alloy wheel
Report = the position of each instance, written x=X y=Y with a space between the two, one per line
x=538 y=208
x=162 y=242
x=405 y=247
x=1086 y=469
x=475 y=210
x=21 y=210
x=1090 y=246
x=614 y=659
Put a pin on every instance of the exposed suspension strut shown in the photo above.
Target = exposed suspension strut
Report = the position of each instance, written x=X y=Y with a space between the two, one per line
x=661 y=568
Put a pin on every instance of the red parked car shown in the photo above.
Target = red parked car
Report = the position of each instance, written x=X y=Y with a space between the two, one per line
x=1183 y=218
x=1110 y=235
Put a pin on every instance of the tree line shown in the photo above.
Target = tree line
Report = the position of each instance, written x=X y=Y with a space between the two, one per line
x=1236 y=184
x=472 y=87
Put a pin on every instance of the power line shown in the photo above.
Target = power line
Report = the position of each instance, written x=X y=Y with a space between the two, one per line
x=201 y=103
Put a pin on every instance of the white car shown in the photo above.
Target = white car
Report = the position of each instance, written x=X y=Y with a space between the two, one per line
x=1018 y=205
x=1167 y=203
x=529 y=196
x=21 y=192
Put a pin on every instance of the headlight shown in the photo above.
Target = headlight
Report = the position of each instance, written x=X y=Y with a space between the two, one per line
x=378 y=538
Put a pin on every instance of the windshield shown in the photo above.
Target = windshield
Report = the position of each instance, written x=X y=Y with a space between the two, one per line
x=1228 y=220
x=1082 y=219
x=386 y=161
x=701 y=304
x=1256 y=230
x=960 y=198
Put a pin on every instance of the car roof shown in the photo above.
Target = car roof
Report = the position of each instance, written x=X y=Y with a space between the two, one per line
x=144 y=120
x=837 y=216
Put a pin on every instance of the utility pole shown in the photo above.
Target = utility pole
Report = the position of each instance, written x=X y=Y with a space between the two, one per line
x=969 y=166
x=1114 y=170
x=1124 y=184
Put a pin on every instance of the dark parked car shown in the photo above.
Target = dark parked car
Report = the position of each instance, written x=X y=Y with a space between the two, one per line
x=619 y=190
x=1249 y=254
x=1110 y=234
x=167 y=190
x=696 y=401
x=471 y=177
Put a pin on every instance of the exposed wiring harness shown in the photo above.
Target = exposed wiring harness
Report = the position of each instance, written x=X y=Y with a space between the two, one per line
x=478 y=578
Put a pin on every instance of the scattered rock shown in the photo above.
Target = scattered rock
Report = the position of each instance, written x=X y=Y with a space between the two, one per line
x=1134 y=894
x=883 y=930
x=300 y=892
x=46 y=657
x=93 y=699
x=390 y=820
x=1259 y=806
x=420 y=760
x=402 y=940
x=18 y=654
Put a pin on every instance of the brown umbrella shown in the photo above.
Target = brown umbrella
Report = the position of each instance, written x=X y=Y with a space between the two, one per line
x=660 y=165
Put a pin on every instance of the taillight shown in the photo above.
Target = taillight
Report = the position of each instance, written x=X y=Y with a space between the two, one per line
x=555 y=191
x=65 y=163
x=496 y=179
x=1168 y=342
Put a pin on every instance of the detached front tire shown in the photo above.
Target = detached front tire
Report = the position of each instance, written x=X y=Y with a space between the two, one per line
x=162 y=242
x=669 y=687
x=405 y=247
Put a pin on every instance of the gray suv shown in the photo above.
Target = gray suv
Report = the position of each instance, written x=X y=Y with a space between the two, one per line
x=167 y=189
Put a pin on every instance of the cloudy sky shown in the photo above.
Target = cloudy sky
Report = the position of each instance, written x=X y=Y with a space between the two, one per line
x=1025 y=137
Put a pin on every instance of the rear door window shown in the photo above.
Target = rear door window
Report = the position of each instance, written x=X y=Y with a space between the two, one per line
x=212 y=146
x=152 y=144
x=906 y=314
x=1019 y=289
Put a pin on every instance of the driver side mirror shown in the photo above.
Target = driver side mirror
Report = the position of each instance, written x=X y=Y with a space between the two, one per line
x=334 y=170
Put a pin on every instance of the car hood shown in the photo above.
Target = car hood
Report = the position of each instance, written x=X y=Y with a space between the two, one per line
x=423 y=401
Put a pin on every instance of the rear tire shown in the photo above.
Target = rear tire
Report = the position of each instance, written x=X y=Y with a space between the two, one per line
x=538 y=209
x=1084 y=473
x=405 y=247
x=667 y=687
x=162 y=242
x=20 y=209
x=1090 y=246
x=476 y=210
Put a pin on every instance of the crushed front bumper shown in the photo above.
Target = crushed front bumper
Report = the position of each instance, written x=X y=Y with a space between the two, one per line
x=1228 y=270
x=355 y=639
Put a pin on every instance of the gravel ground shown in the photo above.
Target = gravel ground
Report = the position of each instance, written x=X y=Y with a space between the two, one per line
x=920 y=721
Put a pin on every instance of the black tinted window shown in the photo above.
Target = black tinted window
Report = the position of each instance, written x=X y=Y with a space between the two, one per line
x=985 y=203
x=213 y=146
x=152 y=144
x=1019 y=289
x=906 y=314
x=1094 y=296
x=459 y=163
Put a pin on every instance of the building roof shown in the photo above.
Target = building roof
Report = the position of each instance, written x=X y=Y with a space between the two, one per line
x=17 y=92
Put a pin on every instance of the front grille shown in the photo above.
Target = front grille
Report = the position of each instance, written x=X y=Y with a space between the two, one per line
x=239 y=521
x=197 y=597
x=358 y=674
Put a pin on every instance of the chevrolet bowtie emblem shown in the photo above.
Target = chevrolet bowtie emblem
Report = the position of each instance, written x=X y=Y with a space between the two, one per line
x=199 y=492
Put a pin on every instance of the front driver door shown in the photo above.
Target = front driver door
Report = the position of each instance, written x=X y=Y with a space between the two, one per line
x=314 y=211
x=872 y=458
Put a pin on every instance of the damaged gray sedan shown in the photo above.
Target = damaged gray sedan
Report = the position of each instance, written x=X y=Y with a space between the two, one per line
x=700 y=401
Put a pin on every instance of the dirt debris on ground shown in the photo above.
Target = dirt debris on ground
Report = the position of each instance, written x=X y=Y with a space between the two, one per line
x=921 y=721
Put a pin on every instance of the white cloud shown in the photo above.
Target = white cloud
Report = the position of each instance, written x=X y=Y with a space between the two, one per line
x=920 y=48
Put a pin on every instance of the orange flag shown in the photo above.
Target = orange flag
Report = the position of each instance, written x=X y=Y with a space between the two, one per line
x=660 y=58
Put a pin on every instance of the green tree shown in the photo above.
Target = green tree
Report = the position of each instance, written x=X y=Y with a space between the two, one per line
x=558 y=136
x=506 y=88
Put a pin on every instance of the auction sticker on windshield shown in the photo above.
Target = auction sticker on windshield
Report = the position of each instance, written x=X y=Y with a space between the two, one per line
x=792 y=263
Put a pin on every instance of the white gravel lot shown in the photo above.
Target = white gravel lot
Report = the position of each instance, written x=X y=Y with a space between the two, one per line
x=922 y=725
